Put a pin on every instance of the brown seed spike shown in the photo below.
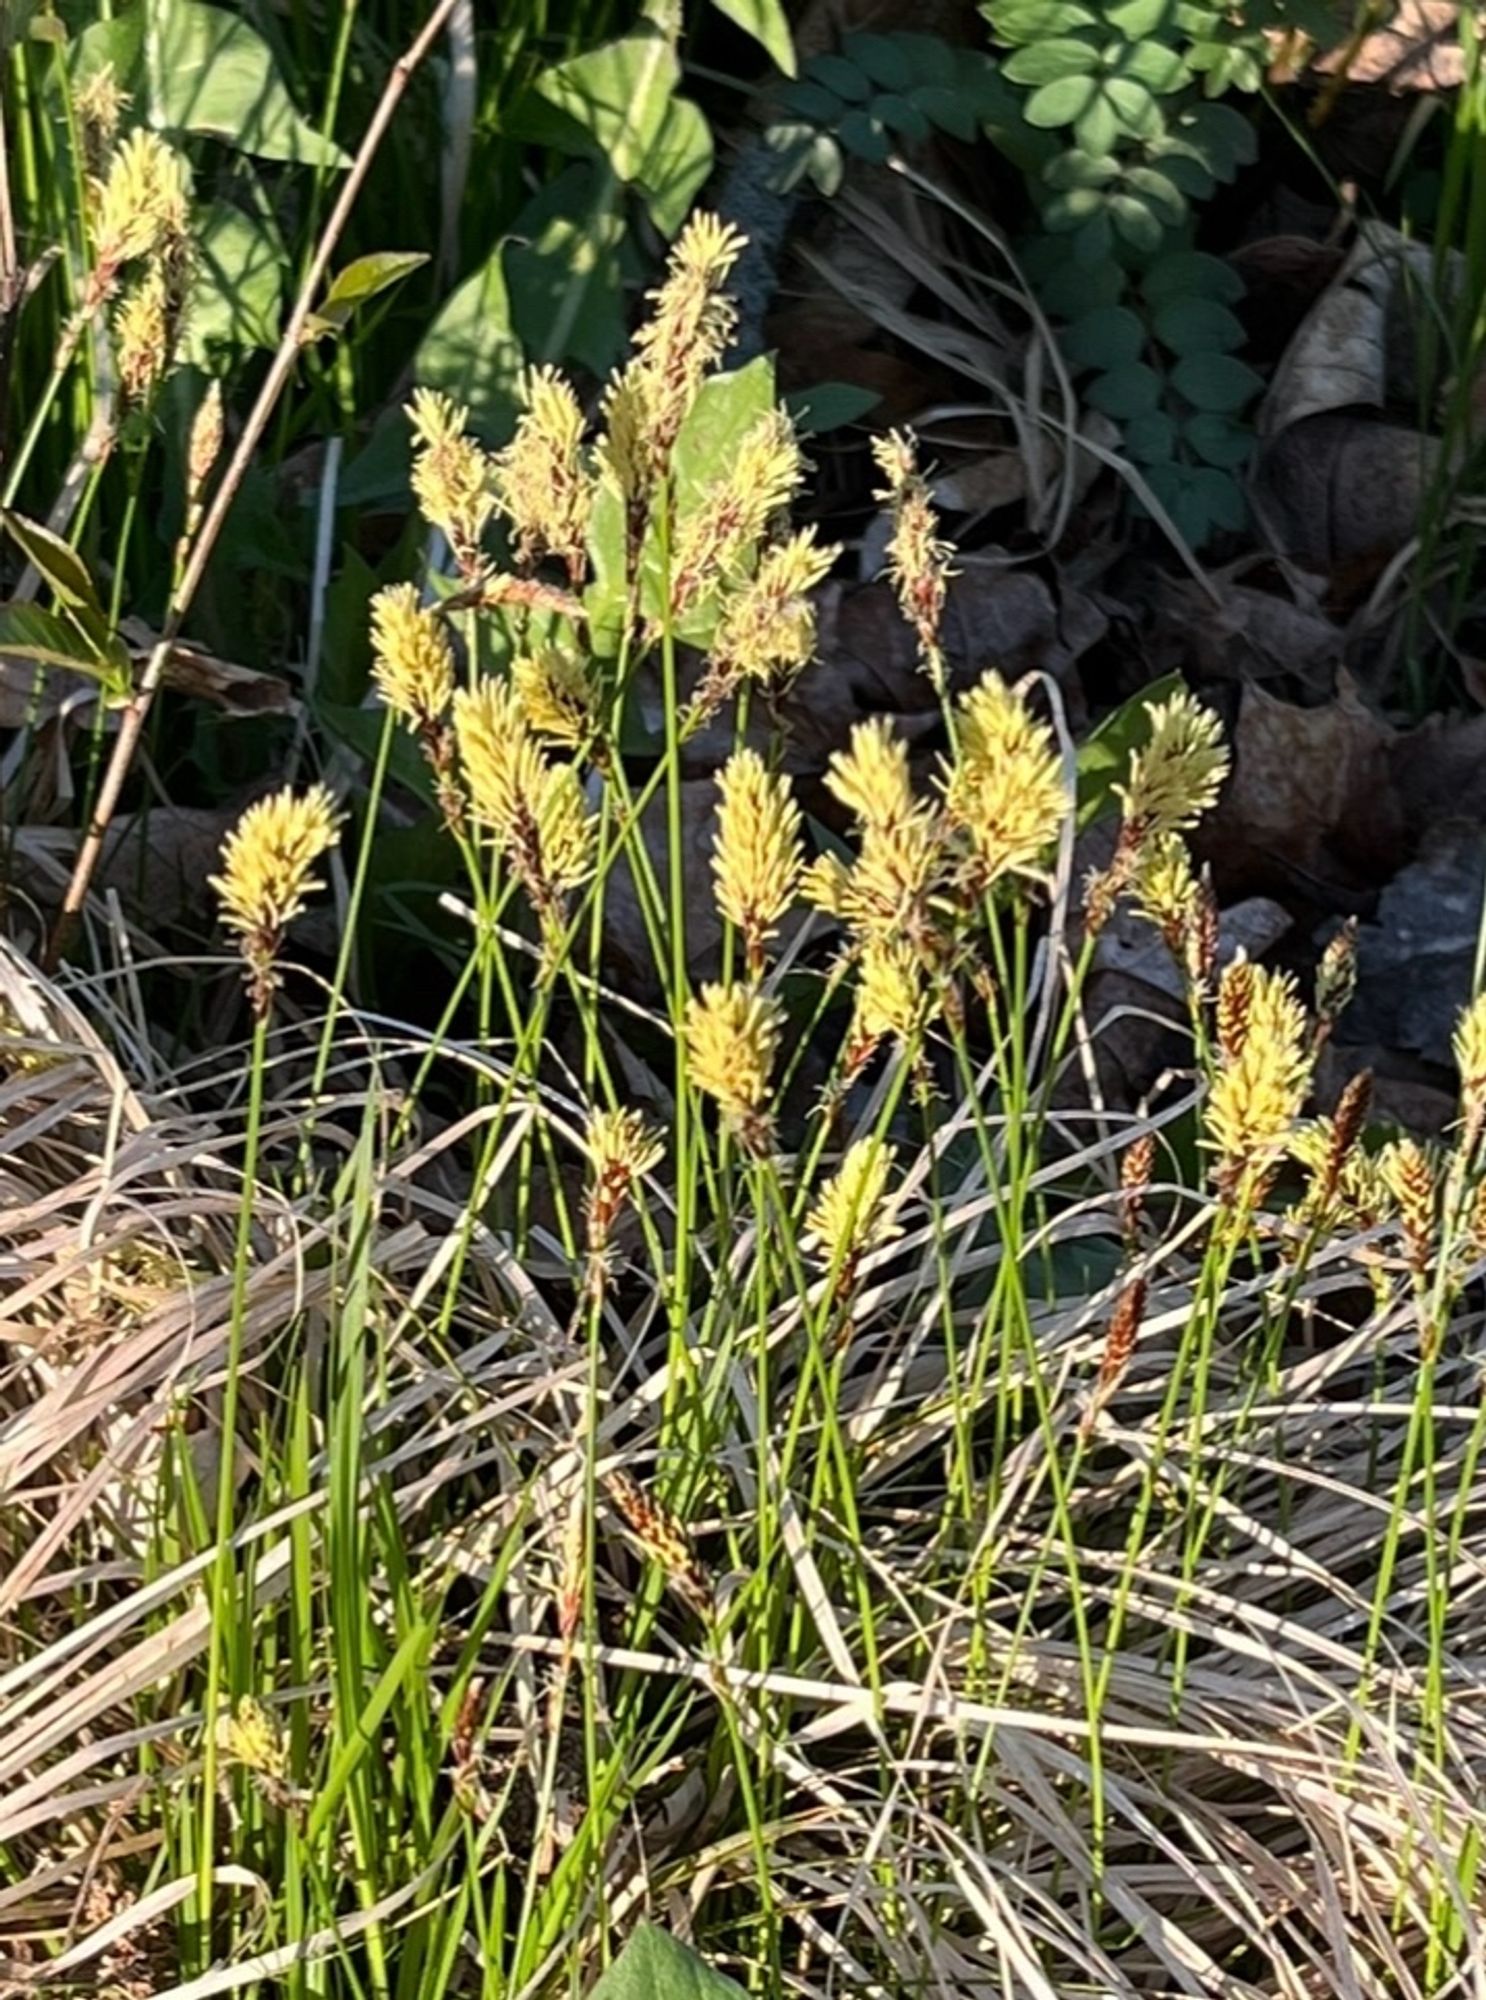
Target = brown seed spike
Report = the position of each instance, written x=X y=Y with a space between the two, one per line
x=1135 y=1178
x=1119 y=1342
x=663 y=1539
x=1235 y=1005
x=1352 y=1108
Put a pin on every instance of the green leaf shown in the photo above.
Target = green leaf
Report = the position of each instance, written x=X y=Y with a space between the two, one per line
x=1137 y=222
x=827 y=165
x=605 y=601
x=1158 y=193
x=565 y=269
x=829 y=406
x=1045 y=61
x=58 y=564
x=726 y=408
x=676 y=165
x=1073 y=208
x=1151 y=439
x=1220 y=496
x=1131 y=391
x=901 y=116
x=1030 y=20
x=1197 y=326
x=212 y=73
x=951 y=110
x=1159 y=68
x=1138 y=112
x=237 y=286
x=1104 y=756
x=811 y=101
x=1079 y=169
x=654 y=1966
x=360 y=729
x=1138 y=20
x=1191 y=274
x=1094 y=241
x=1215 y=382
x=768 y=24
x=1227 y=67
x=1185 y=173
x=1059 y=103
x=29 y=633
x=357 y=282
x=848 y=81
x=1219 y=441
x=1222 y=138
x=862 y=135
x=1108 y=337
x=471 y=351
x=1072 y=289
x=1100 y=129
x=896 y=61
x=613 y=99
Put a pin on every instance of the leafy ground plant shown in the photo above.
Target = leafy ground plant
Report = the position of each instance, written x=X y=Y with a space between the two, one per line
x=764 y=1448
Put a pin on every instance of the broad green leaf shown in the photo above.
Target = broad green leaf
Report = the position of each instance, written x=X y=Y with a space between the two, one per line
x=205 y=70
x=1108 y=337
x=1071 y=289
x=361 y=730
x=1130 y=391
x=829 y=405
x=29 y=633
x=565 y=269
x=1094 y=242
x=726 y=408
x=768 y=24
x=1221 y=497
x=1216 y=382
x=1191 y=274
x=1138 y=112
x=612 y=99
x=1197 y=326
x=237 y=286
x=1046 y=61
x=1060 y=102
x=654 y=1966
x=1185 y=173
x=1101 y=127
x=827 y=165
x=605 y=600
x=676 y=165
x=360 y=280
x=953 y=111
x=59 y=565
x=1219 y=441
x=897 y=61
x=471 y=351
x=1221 y=137
x=1157 y=192
x=1073 y=207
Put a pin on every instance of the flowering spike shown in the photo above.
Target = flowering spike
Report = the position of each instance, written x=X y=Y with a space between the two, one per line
x=758 y=854
x=266 y=875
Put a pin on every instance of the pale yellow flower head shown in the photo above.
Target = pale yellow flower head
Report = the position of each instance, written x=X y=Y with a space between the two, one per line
x=1005 y=786
x=727 y=522
x=99 y=105
x=1261 y=1083
x=205 y=442
x=621 y=1142
x=918 y=559
x=541 y=483
x=451 y=475
x=413 y=661
x=267 y=864
x=557 y=694
x=1470 y=1060
x=767 y=627
x=870 y=777
x=758 y=854
x=892 y=998
x=1178 y=774
x=141 y=203
x=502 y=760
x=732 y=1040
x=851 y=1215
x=143 y=335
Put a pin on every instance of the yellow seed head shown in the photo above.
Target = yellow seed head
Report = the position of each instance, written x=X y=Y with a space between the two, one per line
x=541 y=483
x=758 y=855
x=732 y=1039
x=413 y=660
x=1408 y=1174
x=918 y=560
x=1176 y=777
x=851 y=1216
x=1470 y=1060
x=870 y=777
x=557 y=695
x=888 y=889
x=623 y=445
x=267 y=863
x=451 y=475
x=141 y=204
x=620 y=1142
x=99 y=105
x=251 y=1739
x=891 y=996
x=206 y=438
x=1336 y=975
x=1005 y=788
x=502 y=762
x=725 y=525
x=567 y=833
x=691 y=324
x=767 y=627
x=1258 y=1091
x=143 y=335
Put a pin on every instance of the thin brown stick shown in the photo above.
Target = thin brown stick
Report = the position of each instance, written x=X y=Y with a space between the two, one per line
x=136 y=712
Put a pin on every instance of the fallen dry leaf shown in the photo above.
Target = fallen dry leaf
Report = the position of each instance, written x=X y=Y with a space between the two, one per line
x=1249 y=633
x=1418 y=48
x=192 y=671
